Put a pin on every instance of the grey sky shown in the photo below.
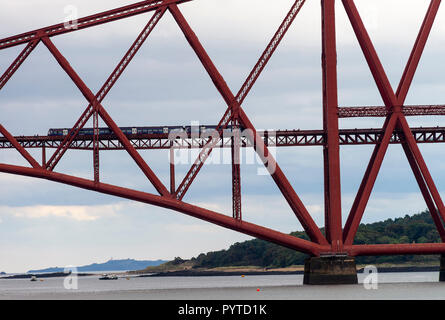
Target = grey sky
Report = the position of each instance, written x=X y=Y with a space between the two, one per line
x=44 y=224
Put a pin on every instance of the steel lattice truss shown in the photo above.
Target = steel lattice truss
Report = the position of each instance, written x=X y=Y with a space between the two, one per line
x=337 y=239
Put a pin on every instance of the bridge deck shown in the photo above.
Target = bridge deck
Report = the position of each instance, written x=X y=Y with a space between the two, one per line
x=280 y=138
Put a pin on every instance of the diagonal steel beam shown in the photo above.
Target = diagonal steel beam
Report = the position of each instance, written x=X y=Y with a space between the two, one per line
x=220 y=85
x=417 y=51
x=362 y=197
x=425 y=190
x=294 y=201
x=107 y=119
x=25 y=154
x=111 y=81
x=422 y=166
x=18 y=62
x=370 y=54
x=219 y=219
x=269 y=51
x=242 y=94
x=89 y=21
x=412 y=151
x=281 y=181
x=393 y=105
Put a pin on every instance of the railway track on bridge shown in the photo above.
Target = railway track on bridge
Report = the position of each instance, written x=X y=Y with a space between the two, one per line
x=278 y=138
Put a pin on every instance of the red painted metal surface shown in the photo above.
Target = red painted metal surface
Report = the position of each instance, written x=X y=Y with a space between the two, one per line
x=236 y=170
x=331 y=148
x=111 y=81
x=337 y=239
x=242 y=93
x=351 y=112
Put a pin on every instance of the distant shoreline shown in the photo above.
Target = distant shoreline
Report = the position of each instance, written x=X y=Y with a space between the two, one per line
x=210 y=273
x=207 y=273
x=44 y=275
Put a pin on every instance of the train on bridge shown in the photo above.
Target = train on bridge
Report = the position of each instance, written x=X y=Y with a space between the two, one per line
x=140 y=130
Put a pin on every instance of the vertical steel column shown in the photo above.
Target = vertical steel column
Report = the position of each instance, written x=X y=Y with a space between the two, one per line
x=172 y=170
x=43 y=155
x=331 y=148
x=96 y=143
x=236 y=170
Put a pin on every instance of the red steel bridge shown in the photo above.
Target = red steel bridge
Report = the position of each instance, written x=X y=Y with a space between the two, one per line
x=338 y=239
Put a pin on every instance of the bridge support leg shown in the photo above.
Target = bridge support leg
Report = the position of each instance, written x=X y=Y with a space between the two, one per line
x=330 y=270
x=442 y=268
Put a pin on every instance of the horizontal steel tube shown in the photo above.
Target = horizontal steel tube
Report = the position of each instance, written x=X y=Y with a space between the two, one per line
x=396 y=249
x=170 y=203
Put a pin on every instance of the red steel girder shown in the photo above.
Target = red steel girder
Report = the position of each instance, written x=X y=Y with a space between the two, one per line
x=236 y=171
x=172 y=170
x=425 y=191
x=331 y=148
x=107 y=119
x=396 y=249
x=395 y=130
x=280 y=179
x=18 y=62
x=428 y=179
x=370 y=54
x=19 y=147
x=395 y=119
x=426 y=110
x=282 y=182
x=173 y=204
x=242 y=93
x=111 y=81
x=87 y=22
x=96 y=144
x=421 y=172
x=417 y=51
x=364 y=192
x=269 y=51
x=280 y=138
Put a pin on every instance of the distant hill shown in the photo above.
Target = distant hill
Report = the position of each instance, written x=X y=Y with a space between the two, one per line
x=110 y=265
x=418 y=228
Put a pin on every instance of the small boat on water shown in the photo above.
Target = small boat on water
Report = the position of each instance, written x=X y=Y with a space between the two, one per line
x=33 y=278
x=108 y=277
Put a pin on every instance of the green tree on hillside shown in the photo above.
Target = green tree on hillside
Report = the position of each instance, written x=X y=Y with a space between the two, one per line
x=418 y=228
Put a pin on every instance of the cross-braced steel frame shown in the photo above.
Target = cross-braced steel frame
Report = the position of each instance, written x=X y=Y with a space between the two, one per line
x=338 y=239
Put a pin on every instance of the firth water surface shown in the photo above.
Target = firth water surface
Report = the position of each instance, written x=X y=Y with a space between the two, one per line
x=412 y=285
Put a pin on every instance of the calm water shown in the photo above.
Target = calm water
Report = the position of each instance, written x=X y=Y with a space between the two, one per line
x=414 y=285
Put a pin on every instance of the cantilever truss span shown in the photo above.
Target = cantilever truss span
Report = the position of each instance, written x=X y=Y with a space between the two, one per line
x=338 y=238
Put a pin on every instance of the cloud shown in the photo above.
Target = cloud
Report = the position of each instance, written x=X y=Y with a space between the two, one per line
x=77 y=213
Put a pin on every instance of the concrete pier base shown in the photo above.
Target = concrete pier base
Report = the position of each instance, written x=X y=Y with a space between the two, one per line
x=442 y=268
x=330 y=270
